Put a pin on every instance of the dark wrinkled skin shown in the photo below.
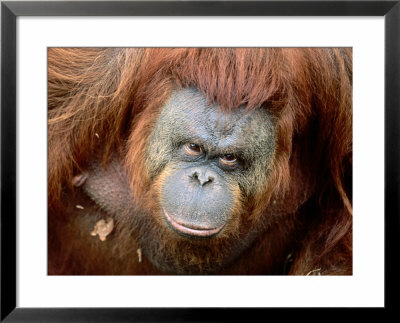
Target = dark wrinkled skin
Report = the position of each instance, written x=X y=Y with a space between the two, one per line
x=187 y=118
x=108 y=187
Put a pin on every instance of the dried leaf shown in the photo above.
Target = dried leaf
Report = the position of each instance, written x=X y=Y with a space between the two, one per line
x=103 y=228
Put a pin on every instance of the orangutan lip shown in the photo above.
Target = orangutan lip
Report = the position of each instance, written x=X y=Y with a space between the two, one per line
x=192 y=231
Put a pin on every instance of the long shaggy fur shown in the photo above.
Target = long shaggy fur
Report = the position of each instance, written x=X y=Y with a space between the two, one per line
x=105 y=101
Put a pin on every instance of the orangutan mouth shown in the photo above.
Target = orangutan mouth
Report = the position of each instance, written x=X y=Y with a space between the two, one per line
x=190 y=229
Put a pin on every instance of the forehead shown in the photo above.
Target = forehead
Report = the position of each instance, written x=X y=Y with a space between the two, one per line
x=188 y=110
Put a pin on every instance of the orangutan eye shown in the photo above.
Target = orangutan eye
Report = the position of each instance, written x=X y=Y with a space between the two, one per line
x=228 y=160
x=193 y=149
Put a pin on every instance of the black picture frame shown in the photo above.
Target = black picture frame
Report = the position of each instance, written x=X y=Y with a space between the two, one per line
x=10 y=10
